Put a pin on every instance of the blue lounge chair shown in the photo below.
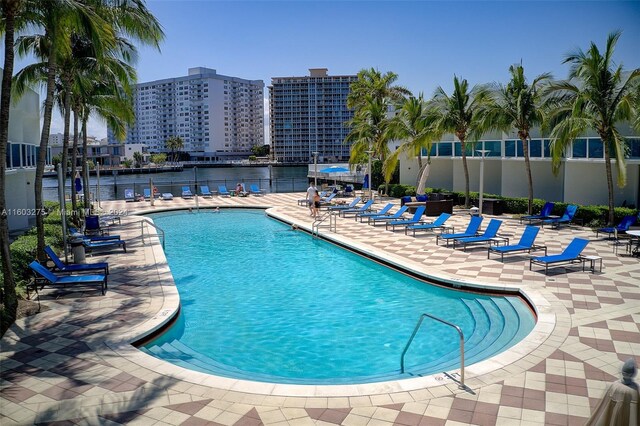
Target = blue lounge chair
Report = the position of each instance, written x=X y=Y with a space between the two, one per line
x=166 y=196
x=364 y=208
x=417 y=217
x=80 y=267
x=204 y=191
x=526 y=243
x=49 y=278
x=223 y=191
x=567 y=217
x=129 y=195
x=255 y=190
x=489 y=234
x=92 y=226
x=75 y=233
x=472 y=230
x=384 y=218
x=382 y=212
x=623 y=226
x=147 y=194
x=544 y=214
x=351 y=205
x=186 y=192
x=570 y=255
x=326 y=201
x=105 y=244
x=439 y=223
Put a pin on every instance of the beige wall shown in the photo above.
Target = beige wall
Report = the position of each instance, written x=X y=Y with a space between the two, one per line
x=21 y=201
x=586 y=183
x=546 y=186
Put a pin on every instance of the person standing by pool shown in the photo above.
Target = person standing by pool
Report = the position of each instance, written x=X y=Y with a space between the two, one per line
x=311 y=192
x=316 y=204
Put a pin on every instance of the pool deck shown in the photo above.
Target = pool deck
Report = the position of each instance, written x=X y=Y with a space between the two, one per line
x=73 y=364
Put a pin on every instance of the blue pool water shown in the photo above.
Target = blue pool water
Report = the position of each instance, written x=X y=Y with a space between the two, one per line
x=260 y=301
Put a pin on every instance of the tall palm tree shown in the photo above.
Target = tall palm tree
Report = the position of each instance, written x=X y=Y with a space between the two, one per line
x=371 y=96
x=10 y=13
x=518 y=105
x=597 y=95
x=59 y=19
x=461 y=115
x=411 y=125
x=108 y=96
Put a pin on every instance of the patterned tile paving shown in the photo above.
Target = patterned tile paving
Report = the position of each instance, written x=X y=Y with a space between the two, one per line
x=57 y=367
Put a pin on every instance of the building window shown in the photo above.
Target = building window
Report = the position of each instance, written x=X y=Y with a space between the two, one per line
x=596 y=150
x=510 y=148
x=634 y=147
x=580 y=148
x=535 y=148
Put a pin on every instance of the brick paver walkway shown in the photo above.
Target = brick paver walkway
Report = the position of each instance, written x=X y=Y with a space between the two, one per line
x=73 y=363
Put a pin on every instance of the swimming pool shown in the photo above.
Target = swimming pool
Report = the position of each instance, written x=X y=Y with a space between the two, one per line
x=262 y=302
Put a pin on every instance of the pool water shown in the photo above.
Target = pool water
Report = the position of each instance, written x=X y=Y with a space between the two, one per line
x=263 y=302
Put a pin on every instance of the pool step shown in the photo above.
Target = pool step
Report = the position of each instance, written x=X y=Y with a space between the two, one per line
x=490 y=336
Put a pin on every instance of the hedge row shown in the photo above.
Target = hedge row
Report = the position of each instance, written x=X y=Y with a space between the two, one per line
x=593 y=216
x=23 y=249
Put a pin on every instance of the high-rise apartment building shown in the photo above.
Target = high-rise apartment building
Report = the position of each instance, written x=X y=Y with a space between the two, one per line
x=307 y=115
x=218 y=117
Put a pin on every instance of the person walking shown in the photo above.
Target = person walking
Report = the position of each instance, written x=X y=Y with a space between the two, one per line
x=311 y=192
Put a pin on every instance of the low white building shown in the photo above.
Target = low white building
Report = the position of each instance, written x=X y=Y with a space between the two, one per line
x=131 y=148
x=22 y=154
x=581 y=178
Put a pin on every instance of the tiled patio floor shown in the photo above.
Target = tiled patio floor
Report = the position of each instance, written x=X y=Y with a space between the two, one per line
x=73 y=365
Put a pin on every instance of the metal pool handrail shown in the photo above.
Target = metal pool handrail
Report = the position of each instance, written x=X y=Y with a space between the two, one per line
x=319 y=220
x=157 y=228
x=415 y=330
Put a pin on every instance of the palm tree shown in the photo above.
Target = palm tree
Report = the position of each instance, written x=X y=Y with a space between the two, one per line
x=10 y=13
x=371 y=96
x=517 y=106
x=411 y=125
x=58 y=19
x=137 y=159
x=459 y=114
x=597 y=95
x=173 y=144
x=109 y=97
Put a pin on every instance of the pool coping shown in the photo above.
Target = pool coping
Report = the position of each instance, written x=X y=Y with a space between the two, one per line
x=551 y=329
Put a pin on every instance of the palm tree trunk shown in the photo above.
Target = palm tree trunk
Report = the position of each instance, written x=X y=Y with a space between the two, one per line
x=65 y=135
x=9 y=299
x=42 y=155
x=74 y=162
x=607 y=166
x=463 y=147
x=527 y=166
x=85 y=168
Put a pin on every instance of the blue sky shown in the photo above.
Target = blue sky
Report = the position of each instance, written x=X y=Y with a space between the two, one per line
x=424 y=42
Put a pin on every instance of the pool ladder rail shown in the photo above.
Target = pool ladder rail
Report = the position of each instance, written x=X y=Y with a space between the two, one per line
x=320 y=221
x=415 y=331
x=159 y=231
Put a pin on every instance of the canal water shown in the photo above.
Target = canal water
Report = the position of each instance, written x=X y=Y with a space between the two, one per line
x=274 y=179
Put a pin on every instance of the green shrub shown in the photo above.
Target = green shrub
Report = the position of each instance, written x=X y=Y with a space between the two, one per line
x=23 y=252
x=592 y=216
